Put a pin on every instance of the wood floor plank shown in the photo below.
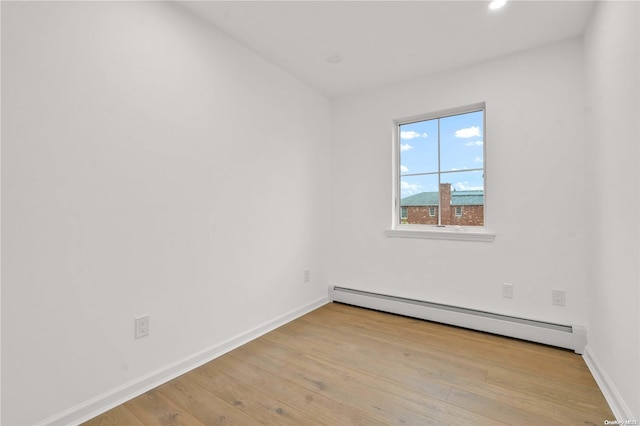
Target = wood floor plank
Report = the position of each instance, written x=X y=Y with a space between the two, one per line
x=406 y=351
x=337 y=384
x=118 y=416
x=447 y=362
x=253 y=402
x=154 y=409
x=202 y=404
x=563 y=403
x=341 y=388
x=419 y=373
x=466 y=344
x=588 y=399
x=559 y=399
x=314 y=404
x=384 y=399
x=342 y=365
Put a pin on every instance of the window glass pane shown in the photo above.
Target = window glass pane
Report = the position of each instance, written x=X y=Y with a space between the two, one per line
x=419 y=147
x=461 y=142
x=418 y=194
x=413 y=185
x=467 y=196
x=465 y=181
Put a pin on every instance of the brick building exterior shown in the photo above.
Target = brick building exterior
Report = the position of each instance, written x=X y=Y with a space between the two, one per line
x=464 y=208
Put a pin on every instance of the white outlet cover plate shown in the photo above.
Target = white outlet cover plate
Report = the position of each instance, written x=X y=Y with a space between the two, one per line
x=141 y=326
x=558 y=297
x=507 y=291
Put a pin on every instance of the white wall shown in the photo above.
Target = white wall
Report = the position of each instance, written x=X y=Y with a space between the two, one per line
x=149 y=166
x=612 y=52
x=534 y=180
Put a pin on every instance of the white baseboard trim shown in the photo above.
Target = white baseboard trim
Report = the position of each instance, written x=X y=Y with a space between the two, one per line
x=619 y=408
x=114 y=397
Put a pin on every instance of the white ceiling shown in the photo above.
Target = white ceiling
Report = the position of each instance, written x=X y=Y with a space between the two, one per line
x=383 y=42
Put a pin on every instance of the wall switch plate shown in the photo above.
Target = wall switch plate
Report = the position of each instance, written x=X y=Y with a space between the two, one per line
x=558 y=297
x=307 y=276
x=507 y=291
x=141 y=326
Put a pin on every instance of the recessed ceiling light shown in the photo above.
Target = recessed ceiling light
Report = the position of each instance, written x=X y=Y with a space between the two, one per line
x=334 y=59
x=497 y=4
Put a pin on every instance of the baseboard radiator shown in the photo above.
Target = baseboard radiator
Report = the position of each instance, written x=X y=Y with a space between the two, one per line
x=563 y=336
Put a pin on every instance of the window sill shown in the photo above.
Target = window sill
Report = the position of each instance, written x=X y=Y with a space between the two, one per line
x=448 y=233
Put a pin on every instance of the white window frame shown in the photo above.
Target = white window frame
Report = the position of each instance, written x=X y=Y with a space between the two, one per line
x=458 y=211
x=432 y=211
x=448 y=232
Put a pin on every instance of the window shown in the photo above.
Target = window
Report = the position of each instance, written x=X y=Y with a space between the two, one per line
x=439 y=170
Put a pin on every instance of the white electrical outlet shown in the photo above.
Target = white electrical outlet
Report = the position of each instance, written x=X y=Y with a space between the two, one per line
x=307 y=276
x=558 y=297
x=507 y=291
x=141 y=326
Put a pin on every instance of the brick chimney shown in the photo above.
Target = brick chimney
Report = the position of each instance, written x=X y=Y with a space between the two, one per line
x=445 y=203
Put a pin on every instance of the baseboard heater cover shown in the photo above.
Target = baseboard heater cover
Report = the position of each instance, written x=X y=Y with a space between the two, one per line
x=564 y=336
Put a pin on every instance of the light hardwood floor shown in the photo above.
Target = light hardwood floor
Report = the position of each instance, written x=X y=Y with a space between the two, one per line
x=342 y=365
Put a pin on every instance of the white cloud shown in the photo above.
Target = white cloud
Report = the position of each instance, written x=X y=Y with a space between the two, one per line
x=412 y=135
x=405 y=147
x=478 y=160
x=464 y=186
x=474 y=143
x=469 y=132
x=407 y=188
x=404 y=169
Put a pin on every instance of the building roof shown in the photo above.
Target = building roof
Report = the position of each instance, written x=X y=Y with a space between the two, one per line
x=421 y=199
x=458 y=198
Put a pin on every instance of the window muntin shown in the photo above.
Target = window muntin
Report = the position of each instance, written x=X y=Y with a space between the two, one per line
x=441 y=168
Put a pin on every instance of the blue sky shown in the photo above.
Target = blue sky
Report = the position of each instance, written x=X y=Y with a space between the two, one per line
x=461 y=150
